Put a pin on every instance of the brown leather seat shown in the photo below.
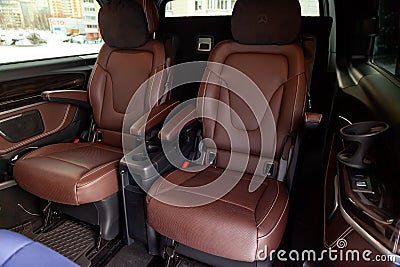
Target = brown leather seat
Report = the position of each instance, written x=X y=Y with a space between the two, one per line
x=239 y=224
x=234 y=226
x=70 y=173
x=76 y=174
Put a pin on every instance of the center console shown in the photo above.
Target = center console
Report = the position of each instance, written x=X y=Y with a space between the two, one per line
x=139 y=169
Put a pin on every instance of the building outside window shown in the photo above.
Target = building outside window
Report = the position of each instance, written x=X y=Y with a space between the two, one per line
x=39 y=29
x=187 y=8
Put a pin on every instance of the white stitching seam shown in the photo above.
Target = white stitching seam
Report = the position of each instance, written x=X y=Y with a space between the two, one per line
x=276 y=225
x=96 y=180
x=295 y=102
x=272 y=206
x=91 y=80
x=35 y=138
x=152 y=77
x=99 y=168
x=204 y=92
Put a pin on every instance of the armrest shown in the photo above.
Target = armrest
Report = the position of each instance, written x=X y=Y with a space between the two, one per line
x=157 y=115
x=181 y=119
x=77 y=98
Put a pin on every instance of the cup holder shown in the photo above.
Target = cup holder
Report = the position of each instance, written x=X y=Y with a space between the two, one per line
x=359 y=137
x=141 y=155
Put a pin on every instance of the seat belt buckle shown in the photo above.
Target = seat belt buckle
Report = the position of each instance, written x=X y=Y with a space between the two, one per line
x=99 y=136
x=212 y=158
x=269 y=168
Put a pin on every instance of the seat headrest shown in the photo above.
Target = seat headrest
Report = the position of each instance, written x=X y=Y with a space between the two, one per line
x=266 y=22
x=128 y=23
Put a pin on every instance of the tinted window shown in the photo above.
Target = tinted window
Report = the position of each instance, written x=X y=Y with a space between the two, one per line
x=386 y=47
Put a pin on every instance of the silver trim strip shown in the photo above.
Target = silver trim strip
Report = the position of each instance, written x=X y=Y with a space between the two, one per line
x=11 y=118
x=336 y=197
x=7 y=184
x=5 y=113
x=346 y=120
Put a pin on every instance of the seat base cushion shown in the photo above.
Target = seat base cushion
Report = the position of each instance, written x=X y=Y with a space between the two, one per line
x=71 y=174
x=235 y=226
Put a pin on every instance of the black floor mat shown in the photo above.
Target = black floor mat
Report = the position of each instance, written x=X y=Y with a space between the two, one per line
x=70 y=239
x=184 y=262
x=156 y=261
x=25 y=229
x=17 y=208
x=134 y=255
x=180 y=261
x=189 y=263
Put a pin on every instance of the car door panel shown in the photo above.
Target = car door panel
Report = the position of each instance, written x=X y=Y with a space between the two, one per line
x=378 y=93
x=26 y=120
x=20 y=92
x=365 y=94
x=340 y=226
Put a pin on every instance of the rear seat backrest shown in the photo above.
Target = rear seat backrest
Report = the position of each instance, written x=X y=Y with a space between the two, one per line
x=124 y=64
x=274 y=60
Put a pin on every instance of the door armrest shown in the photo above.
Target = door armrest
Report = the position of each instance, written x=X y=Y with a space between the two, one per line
x=77 y=98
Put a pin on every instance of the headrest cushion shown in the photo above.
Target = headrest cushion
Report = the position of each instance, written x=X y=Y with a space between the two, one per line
x=123 y=24
x=266 y=22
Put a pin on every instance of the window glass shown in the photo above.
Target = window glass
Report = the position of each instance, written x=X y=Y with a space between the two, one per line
x=38 y=29
x=309 y=8
x=386 y=46
x=189 y=8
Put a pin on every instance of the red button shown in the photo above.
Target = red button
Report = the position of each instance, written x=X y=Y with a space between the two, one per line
x=185 y=164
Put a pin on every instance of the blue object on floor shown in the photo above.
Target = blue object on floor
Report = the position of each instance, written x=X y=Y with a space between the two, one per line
x=18 y=251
